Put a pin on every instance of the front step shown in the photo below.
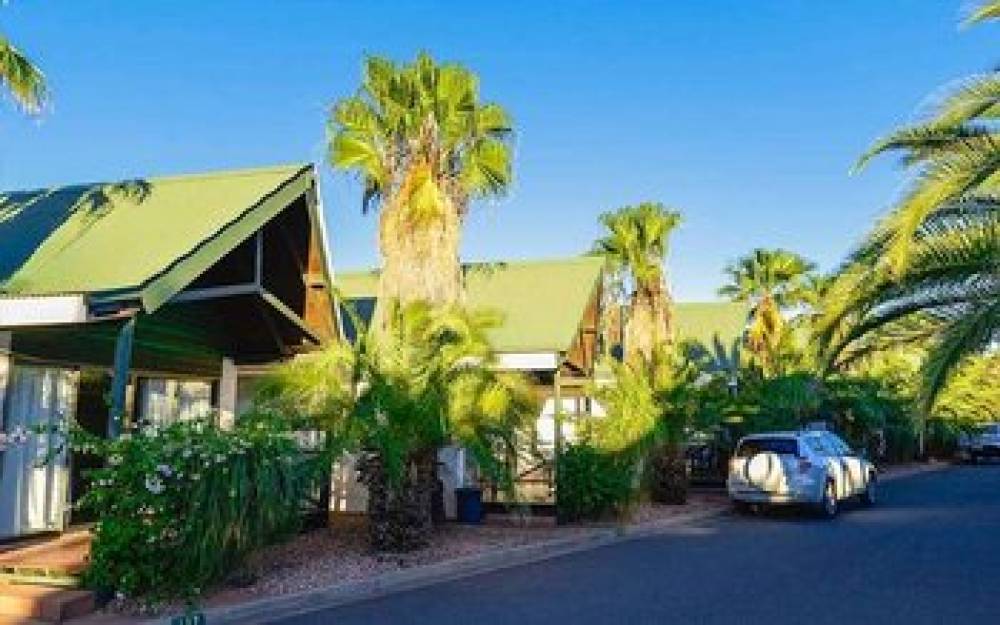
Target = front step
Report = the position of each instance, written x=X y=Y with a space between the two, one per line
x=51 y=605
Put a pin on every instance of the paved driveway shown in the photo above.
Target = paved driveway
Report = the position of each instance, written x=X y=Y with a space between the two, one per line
x=929 y=552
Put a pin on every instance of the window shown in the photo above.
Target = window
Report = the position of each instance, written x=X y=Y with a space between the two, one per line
x=837 y=444
x=781 y=446
x=817 y=446
x=163 y=401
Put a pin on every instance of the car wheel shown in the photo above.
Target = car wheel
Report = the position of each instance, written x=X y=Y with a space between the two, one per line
x=742 y=508
x=870 y=495
x=828 y=504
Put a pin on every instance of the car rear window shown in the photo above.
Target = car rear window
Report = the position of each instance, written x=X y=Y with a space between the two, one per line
x=780 y=446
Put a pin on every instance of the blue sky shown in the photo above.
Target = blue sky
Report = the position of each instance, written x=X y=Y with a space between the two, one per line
x=745 y=116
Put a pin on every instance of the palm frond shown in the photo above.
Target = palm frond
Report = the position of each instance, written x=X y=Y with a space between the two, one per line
x=22 y=78
x=988 y=10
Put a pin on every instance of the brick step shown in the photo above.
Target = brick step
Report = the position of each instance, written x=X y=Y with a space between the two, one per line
x=46 y=604
x=63 y=556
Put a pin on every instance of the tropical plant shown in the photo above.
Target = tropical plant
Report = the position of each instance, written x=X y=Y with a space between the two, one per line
x=179 y=507
x=424 y=146
x=395 y=397
x=650 y=405
x=973 y=394
x=23 y=80
x=929 y=273
x=593 y=483
x=772 y=282
x=635 y=247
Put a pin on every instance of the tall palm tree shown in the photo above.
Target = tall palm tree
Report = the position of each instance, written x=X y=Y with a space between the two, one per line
x=771 y=281
x=22 y=79
x=635 y=247
x=929 y=273
x=424 y=146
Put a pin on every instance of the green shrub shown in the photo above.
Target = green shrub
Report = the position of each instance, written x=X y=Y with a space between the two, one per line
x=666 y=475
x=179 y=507
x=593 y=484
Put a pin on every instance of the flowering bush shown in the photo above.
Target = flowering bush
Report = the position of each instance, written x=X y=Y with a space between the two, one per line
x=179 y=507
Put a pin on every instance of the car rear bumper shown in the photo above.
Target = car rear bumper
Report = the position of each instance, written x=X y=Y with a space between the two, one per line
x=751 y=495
x=768 y=498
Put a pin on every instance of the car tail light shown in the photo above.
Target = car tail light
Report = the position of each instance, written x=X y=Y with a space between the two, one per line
x=804 y=465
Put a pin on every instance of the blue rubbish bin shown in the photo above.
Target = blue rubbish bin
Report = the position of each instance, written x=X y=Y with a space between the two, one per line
x=469 y=504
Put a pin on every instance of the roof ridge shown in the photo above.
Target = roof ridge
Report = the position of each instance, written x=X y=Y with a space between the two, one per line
x=357 y=271
x=170 y=178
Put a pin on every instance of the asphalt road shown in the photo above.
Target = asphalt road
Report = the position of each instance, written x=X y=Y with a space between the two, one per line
x=928 y=552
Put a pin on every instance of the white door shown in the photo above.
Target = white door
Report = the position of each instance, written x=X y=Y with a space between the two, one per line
x=34 y=475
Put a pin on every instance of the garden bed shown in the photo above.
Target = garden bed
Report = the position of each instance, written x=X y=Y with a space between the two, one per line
x=339 y=554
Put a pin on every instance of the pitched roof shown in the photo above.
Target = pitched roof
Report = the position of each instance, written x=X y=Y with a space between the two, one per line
x=702 y=321
x=543 y=302
x=145 y=238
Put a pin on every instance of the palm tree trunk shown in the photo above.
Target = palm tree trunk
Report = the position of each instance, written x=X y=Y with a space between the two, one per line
x=420 y=258
x=649 y=324
x=400 y=511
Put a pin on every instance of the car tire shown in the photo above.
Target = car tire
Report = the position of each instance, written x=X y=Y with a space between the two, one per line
x=870 y=496
x=742 y=508
x=828 y=504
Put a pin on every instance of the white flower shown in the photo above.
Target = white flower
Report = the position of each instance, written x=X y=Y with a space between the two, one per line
x=115 y=460
x=219 y=458
x=165 y=470
x=154 y=484
x=196 y=476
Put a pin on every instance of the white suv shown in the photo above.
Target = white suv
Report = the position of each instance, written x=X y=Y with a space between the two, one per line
x=805 y=467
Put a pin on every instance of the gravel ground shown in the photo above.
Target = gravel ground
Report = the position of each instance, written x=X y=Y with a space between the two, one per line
x=338 y=554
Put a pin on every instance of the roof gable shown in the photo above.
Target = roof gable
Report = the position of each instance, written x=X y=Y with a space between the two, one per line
x=150 y=237
x=542 y=302
x=704 y=321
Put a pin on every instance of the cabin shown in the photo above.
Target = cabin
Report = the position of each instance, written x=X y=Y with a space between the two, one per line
x=551 y=313
x=147 y=301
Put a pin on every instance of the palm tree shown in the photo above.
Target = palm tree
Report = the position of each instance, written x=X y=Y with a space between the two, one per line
x=946 y=298
x=397 y=396
x=22 y=79
x=424 y=146
x=953 y=153
x=635 y=247
x=929 y=274
x=772 y=281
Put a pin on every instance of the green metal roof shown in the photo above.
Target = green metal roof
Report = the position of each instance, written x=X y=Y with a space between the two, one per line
x=702 y=321
x=543 y=302
x=145 y=238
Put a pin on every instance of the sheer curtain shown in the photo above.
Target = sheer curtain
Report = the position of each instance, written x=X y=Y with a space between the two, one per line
x=34 y=485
